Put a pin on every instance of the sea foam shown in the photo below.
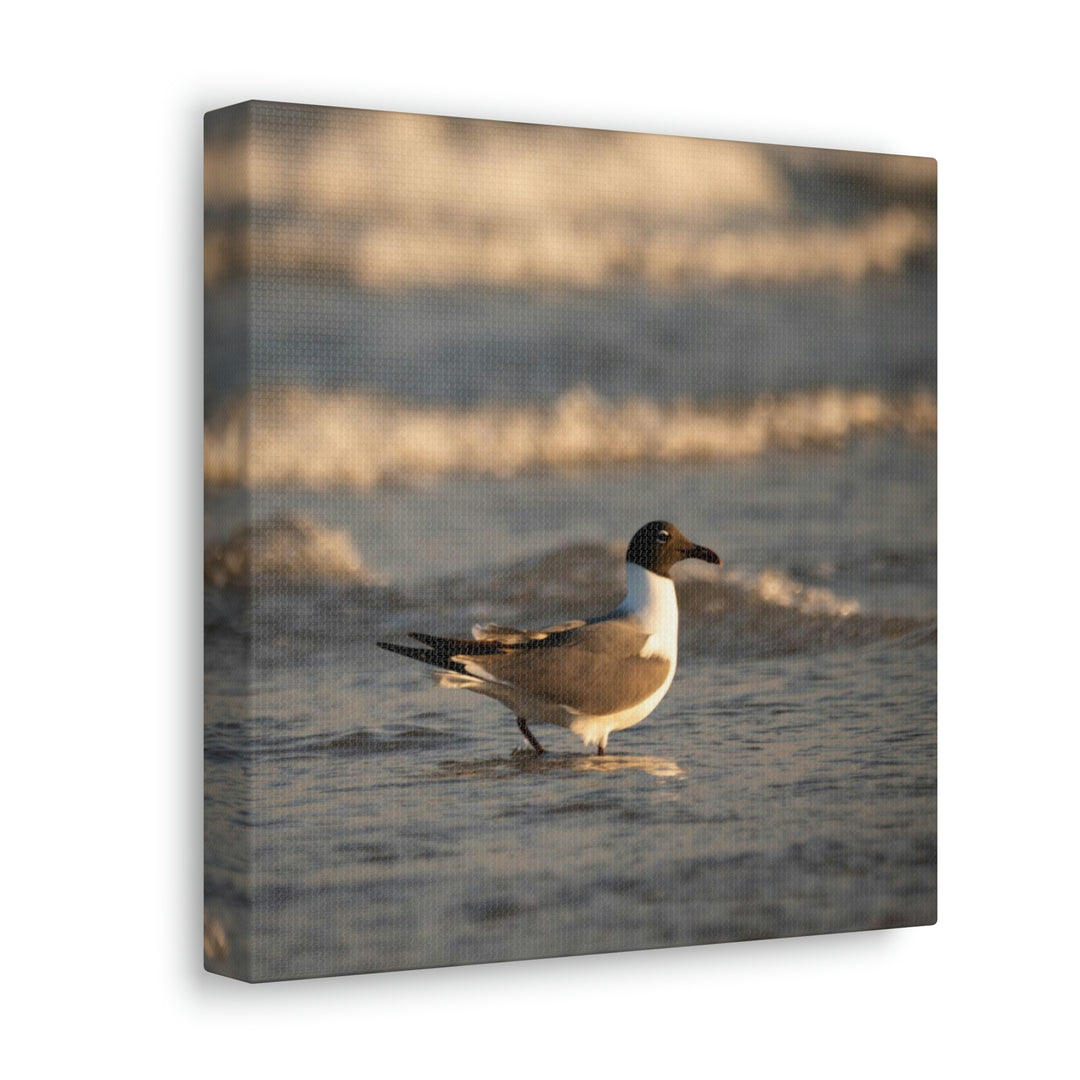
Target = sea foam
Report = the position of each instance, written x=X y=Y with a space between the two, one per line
x=286 y=550
x=318 y=440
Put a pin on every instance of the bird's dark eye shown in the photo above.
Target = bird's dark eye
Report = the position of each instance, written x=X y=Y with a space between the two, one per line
x=663 y=536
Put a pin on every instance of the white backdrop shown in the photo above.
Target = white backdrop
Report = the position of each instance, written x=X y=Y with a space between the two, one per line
x=102 y=443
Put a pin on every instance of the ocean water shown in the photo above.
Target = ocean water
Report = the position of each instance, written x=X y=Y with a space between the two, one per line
x=451 y=367
x=358 y=818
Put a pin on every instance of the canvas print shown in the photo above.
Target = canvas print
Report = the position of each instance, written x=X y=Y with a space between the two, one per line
x=570 y=541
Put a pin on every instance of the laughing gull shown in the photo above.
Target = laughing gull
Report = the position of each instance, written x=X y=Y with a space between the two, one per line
x=593 y=677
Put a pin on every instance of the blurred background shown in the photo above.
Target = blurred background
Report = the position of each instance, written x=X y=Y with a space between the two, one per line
x=608 y=292
x=400 y=200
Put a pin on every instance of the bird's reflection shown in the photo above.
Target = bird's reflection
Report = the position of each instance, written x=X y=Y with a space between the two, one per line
x=654 y=766
x=526 y=762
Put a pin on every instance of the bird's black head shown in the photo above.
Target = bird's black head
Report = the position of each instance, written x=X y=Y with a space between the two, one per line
x=659 y=545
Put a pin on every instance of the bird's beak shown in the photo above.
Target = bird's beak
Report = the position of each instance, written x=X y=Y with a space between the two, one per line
x=696 y=551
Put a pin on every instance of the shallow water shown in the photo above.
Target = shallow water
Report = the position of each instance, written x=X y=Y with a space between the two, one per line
x=777 y=798
x=361 y=819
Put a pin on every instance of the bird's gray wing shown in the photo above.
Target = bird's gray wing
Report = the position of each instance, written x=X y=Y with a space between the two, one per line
x=596 y=669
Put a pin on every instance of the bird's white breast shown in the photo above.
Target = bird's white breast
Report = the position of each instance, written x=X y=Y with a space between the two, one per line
x=650 y=602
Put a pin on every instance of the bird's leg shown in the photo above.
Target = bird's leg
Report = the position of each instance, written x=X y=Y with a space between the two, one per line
x=530 y=738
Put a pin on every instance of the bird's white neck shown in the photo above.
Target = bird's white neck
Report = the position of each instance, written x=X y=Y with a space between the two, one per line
x=650 y=600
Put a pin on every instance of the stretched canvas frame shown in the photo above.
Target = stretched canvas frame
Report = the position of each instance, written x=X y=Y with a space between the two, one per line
x=452 y=366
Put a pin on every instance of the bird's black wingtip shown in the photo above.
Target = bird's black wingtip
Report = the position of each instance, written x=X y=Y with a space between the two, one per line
x=425 y=656
x=403 y=650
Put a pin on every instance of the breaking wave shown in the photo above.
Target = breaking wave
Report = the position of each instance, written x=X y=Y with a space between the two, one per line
x=592 y=575
x=297 y=437
x=733 y=612
x=393 y=200
x=286 y=550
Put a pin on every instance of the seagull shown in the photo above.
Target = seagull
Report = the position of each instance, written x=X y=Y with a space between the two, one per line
x=591 y=676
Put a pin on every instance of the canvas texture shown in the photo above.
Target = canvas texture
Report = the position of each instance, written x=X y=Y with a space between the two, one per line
x=623 y=448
